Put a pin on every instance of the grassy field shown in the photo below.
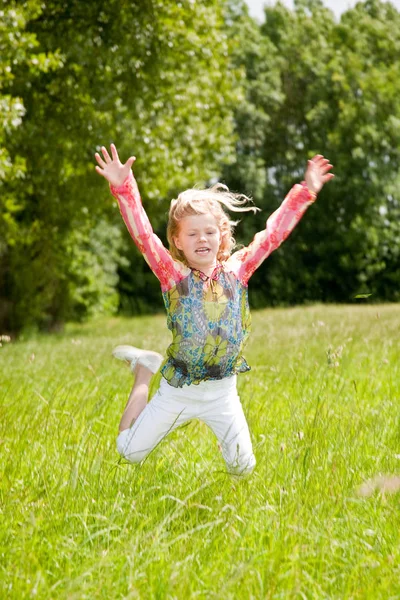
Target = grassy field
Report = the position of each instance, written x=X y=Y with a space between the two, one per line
x=322 y=401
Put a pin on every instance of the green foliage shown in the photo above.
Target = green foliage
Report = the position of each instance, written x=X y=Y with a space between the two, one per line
x=18 y=49
x=318 y=86
x=143 y=76
x=197 y=91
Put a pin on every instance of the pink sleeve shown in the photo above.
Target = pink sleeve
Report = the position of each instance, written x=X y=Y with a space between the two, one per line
x=279 y=225
x=159 y=259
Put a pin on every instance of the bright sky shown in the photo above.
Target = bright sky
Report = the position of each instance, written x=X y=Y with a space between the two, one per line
x=338 y=6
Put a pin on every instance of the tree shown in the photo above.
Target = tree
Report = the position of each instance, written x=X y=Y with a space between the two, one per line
x=315 y=85
x=151 y=68
x=19 y=49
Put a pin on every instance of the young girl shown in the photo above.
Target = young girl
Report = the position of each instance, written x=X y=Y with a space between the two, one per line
x=204 y=288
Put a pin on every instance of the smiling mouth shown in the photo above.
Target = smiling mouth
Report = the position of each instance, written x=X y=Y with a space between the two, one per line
x=202 y=250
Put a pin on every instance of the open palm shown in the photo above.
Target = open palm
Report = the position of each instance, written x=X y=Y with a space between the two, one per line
x=317 y=173
x=112 y=169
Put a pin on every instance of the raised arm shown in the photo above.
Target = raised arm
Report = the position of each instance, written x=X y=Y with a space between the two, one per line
x=282 y=222
x=124 y=187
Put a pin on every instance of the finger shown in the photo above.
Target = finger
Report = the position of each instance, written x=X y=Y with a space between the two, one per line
x=100 y=160
x=321 y=160
x=327 y=177
x=100 y=172
x=316 y=158
x=130 y=161
x=322 y=167
x=114 y=153
x=105 y=154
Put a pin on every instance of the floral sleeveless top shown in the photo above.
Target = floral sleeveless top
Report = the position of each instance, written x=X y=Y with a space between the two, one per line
x=209 y=317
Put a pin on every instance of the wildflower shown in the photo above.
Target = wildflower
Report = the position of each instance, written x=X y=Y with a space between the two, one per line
x=334 y=356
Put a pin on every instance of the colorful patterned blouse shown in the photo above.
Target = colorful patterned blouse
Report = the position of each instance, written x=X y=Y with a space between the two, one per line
x=209 y=317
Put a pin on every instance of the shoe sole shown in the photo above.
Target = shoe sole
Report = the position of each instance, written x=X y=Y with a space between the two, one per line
x=131 y=354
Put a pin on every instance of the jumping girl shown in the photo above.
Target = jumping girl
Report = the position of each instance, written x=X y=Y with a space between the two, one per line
x=204 y=288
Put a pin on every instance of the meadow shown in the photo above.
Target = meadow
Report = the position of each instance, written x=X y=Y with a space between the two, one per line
x=318 y=518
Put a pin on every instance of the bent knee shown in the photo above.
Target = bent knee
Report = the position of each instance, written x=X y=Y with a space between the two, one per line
x=127 y=449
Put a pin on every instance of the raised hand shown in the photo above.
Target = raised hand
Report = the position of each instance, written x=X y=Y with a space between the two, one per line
x=317 y=173
x=113 y=170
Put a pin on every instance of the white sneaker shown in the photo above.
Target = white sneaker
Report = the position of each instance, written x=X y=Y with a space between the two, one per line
x=146 y=358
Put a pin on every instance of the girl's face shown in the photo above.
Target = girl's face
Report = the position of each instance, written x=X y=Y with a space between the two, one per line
x=199 y=239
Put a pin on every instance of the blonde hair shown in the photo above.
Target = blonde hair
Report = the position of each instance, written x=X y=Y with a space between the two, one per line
x=204 y=201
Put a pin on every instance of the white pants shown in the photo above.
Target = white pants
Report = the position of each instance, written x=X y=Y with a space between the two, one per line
x=215 y=402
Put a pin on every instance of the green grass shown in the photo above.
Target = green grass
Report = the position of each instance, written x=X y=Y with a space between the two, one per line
x=322 y=403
